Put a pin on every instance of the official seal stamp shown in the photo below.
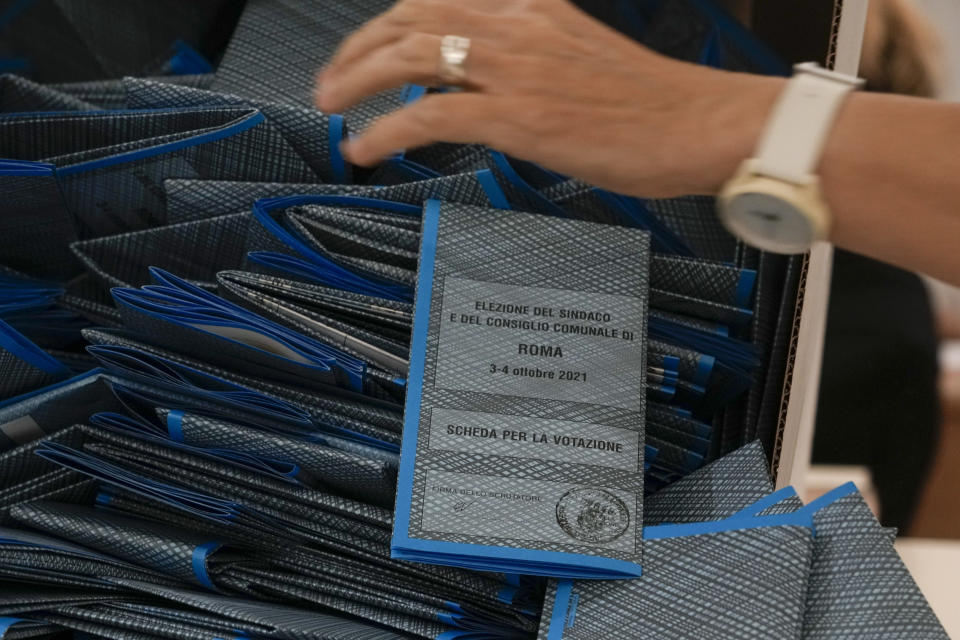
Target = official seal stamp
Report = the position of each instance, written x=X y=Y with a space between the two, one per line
x=592 y=515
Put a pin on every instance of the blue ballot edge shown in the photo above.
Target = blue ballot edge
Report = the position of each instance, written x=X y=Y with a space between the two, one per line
x=558 y=619
x=237 y=126
x=198 y=561
x=13 y=400
x=418 y=357
x=29 y=168
x=403 y=547
x=337 y=133
x=801 y=518
x=498 y=199
x=24 y=349
x=6 y=623
x=502 y=163
x=765 y=502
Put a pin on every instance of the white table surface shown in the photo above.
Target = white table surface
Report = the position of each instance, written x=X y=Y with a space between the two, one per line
x=935 y=565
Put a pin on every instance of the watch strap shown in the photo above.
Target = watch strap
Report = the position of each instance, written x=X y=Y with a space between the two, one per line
x=801 y=120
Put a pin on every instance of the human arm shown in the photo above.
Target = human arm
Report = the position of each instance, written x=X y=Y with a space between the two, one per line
x=548 y=84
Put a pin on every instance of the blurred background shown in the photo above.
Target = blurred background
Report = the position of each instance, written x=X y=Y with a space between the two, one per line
x=938 y=514
x=889 y=411
x=892 y=356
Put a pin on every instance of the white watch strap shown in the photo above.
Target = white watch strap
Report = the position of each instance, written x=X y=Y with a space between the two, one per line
x=801 y=121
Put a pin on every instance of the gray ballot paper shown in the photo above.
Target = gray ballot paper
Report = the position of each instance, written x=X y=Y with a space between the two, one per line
x=524 y=424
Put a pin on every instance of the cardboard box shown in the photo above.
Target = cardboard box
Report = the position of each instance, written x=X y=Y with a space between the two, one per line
x=829 y=31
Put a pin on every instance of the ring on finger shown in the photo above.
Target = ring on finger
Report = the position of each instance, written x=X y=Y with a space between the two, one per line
x=454 y=52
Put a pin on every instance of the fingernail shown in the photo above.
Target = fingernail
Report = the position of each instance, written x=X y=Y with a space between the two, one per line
x=346 y=149
x=352 y=150
x=323 y=102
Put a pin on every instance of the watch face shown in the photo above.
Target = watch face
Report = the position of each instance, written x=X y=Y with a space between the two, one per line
x=769 y=223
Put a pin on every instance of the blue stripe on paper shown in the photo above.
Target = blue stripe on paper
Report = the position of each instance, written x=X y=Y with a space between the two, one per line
x=199 y=561
x=336 y=133
x=418 y=357
x=765 y=502
x=488 y=181
x=18 y=345
x=801 y=518
x=561 y=604
x=175 y=425
x=748 y=277
x=160 y=149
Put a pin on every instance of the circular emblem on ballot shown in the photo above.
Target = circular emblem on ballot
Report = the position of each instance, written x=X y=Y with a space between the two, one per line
x=592 y=515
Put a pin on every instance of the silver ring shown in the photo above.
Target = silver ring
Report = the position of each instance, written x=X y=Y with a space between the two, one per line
x=454 y=51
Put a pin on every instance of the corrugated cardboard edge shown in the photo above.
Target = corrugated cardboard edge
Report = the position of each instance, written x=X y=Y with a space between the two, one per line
x=777 y=452
x=791 y=452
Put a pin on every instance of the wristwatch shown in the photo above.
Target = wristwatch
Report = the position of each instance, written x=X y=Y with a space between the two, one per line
x=774 y=201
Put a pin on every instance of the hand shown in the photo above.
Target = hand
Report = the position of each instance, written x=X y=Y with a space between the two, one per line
x=549 y=84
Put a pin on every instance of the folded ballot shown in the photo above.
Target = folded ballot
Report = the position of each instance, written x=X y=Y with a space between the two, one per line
x=523 y=438
x=727 y=557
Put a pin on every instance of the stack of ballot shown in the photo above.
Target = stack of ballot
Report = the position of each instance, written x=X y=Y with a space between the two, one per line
x=250 y=391
x=726 y=557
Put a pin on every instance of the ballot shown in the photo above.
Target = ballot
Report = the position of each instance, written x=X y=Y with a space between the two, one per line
x=523 y=447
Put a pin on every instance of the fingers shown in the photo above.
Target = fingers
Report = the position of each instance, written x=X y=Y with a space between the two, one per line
x=380 y=31
x=507 y=37
x=415 y=58
x=460 y=117
x=437 y=17
x=407 y=60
